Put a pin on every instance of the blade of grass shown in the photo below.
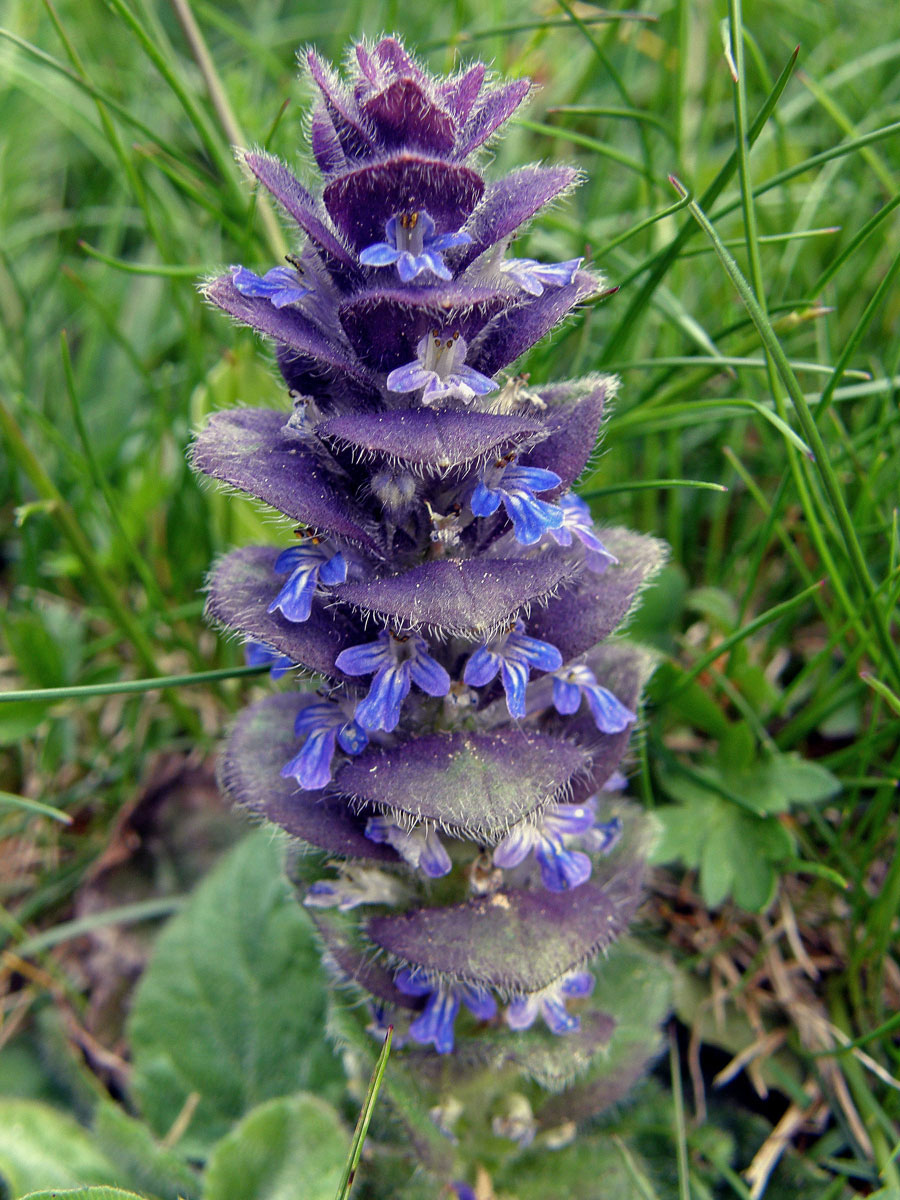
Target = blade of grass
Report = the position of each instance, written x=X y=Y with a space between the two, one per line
x=365 y=1116
x=811 y=432
x=659 y=265
x=86 y=691
x=165 y=270
x=34 y=806
x=614 y=489
x=141 y=910
x=71 y=529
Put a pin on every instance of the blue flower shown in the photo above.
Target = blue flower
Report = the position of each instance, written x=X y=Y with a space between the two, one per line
x=258 y=654
x=412 y=245
x=310 y=563
x=435 y=1025
x=513 y=654
x=439 y=368
x=577 y=520
x=325 y=726
x=280 y=286
x=516 y=487
x=603 y=836
x=551 y=1005
x=533 y=276
x=610 y=715
x=397 y=662
x=420 y=846
x=561 y=868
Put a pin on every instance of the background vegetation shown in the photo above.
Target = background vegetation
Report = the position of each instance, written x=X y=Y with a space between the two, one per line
x=769 y=748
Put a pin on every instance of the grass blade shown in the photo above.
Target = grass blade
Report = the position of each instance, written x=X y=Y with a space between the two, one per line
x=365 y=1116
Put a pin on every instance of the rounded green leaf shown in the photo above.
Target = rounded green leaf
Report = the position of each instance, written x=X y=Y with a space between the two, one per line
x=88 y=1193
x=41 y=1147
x=293 y=1148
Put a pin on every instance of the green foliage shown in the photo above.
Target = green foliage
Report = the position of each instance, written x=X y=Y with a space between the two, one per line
x=291 y=1148
x=725 y=821
x=90 y=1193
x=129 y=1144
x=41 y=1147
x=592 y=1168
x=231 y=1006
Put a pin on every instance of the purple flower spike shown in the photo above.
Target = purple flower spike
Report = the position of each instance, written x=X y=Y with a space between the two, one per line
x=551 y=1005
x=281 y=286
x=577 y=521
x=325 y=726
x=258 y=654
x=312 y=562
x=439 y=369
x=516 y=487
x=397 y=662
x=533 y=276
x=435 y=1025
x=413 y=247
x=610 y=715
x=561 y=869
x=513 y=654
x=420 y=847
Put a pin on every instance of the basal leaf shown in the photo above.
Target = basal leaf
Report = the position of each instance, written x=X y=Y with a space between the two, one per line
x=41 y=1147
x=227 y=1007
x=292 y=1148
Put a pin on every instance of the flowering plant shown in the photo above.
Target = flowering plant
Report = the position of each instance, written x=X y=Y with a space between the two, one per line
x=454 y=779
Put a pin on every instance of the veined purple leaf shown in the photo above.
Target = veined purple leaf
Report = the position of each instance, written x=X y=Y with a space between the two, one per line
x=404 y=114
x=431 y=437
x=384 y=324
x=356 y=961
x=356 y=140
x=296 y=200
x=252 y=450
x=597 y=604
x=261 y=742
x=242 y=587
x=477 y=783
x=460 y=94
x=572 y=431
x=509 y=203
x=513 y=940
x=469 y=596
x=361 y=202
x=515 y=331
x=287 y=326
x=496 y=106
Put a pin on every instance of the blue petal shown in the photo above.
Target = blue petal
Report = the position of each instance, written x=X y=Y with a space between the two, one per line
x=522 y=1013
x=604 y=836
x=516 y=846
x=409 y=377
x=257 y=654
x=353 y=738
x=515 y=680
x=534 y=651
x=445 y=241
x=532 y=479
x=570 y=819
x=319 y=715
x=411 y=981
x=434 y=859
x=312 y=766
x=610 y=715
x=305 y=555
x=429 y=675
x=379 y=254
x=481 y=668
x=381 y=707
x=558 y=1021
x=295 y=598
x=561 y=869
x=484 y=501
x=579 y=984
x=566 y=697
x=333 y=571
x=480 y=384
x=436 y=1022
x=409 y=266
x=479 y=1001
x=530 y=517
x=365 y=659
x=435 y=264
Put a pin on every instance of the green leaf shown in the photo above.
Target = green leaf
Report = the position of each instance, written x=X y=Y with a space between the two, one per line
x=141 y=1160
x=293 y=1148
x=89 y=1193
x=232 y=1005
x=41 y=1147
x=803 y=782
x=591 y=1168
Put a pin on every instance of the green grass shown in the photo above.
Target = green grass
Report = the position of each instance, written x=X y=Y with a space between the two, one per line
x=755 y=332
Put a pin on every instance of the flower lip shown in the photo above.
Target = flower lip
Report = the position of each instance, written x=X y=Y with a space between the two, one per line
x=281 y=286
x=412 y=245
x=439 y=369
